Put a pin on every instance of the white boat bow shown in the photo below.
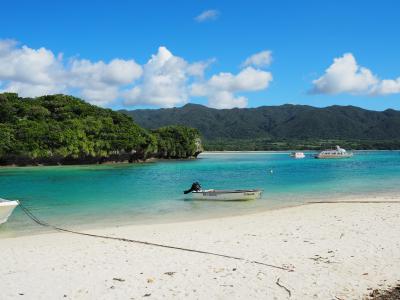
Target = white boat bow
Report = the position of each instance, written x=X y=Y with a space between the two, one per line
x=6 y=209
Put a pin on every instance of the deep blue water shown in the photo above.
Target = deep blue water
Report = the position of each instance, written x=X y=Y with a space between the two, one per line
x=99 y=195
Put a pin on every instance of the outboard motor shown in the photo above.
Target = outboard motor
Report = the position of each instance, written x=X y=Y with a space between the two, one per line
x=195 y=187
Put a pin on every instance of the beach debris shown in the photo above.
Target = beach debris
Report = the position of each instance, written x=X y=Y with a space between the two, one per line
x=229 y=285
x=317 y=258
x=170 y=273
x=389 y=294
x=234 y=269
x=284 y=287
x=150 y=280
x=289 y=267
x=118 y=279
x=260 y=275
x=219 y=270
x=249 y=234
x=374 y=293
x=147 y=295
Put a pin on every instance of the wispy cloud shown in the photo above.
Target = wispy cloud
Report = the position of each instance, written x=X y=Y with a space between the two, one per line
x=207 y=15
x=261 y=59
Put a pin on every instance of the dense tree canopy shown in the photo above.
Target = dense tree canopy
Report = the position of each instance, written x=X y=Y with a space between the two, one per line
x=177 y=141
x=60 y=129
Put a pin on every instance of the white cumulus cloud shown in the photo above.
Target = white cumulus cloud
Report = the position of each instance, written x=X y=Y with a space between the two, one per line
x=387 y=87
x=226 y=99
x=117 y=71
x=165 y=80
x=29 y=71
x=220 y=89
x=207 y=15
x=261 y=59
x=346 y=76
x=100 y=82
x=35 y=72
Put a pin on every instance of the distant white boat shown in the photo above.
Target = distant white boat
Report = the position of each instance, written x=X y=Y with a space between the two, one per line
x=297 y=154
x=222 y=195
x=335 y=153
x=6 y=209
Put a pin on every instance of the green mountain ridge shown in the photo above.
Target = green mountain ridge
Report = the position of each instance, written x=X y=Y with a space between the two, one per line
x=292 y=124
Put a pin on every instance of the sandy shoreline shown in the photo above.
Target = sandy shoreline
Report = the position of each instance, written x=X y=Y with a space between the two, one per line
x=182 y=218
x=337 y=251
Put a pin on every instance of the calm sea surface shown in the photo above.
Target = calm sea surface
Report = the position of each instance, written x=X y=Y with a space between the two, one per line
x=95 y=196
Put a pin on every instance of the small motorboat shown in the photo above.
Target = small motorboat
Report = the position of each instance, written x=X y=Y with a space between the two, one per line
x=6 y=209
x=297 y=155
x=222 y=195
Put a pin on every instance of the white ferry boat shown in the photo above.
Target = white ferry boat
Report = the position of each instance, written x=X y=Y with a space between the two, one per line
x=334 y=153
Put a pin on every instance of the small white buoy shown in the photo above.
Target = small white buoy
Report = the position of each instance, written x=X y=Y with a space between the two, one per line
x=271 y=171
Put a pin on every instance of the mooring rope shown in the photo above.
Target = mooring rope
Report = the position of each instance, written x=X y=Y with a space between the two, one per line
x=45 y=224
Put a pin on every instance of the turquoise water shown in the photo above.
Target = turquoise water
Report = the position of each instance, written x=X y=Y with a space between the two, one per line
x=102 y=195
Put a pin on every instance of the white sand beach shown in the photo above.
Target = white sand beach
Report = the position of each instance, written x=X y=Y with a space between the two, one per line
x=336 y=251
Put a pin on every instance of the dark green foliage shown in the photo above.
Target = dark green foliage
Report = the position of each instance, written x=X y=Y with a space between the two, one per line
x=307 y=144
x=177 y=141
x=281 y=127
x=65 y=129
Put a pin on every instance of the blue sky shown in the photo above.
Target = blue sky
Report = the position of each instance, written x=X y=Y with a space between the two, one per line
x=304 y=38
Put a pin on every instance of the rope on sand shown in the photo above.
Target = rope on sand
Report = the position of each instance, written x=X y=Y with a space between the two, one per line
x=45 y=224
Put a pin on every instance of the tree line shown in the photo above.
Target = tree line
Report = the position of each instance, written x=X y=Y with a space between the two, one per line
x=59 y=129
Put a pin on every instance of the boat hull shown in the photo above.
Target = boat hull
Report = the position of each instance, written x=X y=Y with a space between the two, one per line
x=297 y=155
x=234 y=195
x=6 y=209
x=333 y=156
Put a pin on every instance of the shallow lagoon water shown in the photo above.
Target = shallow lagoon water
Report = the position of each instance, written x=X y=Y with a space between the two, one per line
x=110 y=195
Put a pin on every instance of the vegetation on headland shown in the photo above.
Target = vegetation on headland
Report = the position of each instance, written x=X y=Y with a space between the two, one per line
x=307 y=144
x=284 y=127
x=60 y=129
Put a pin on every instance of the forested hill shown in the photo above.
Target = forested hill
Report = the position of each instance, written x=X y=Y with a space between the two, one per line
x=281 y=127
x=62 y=129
